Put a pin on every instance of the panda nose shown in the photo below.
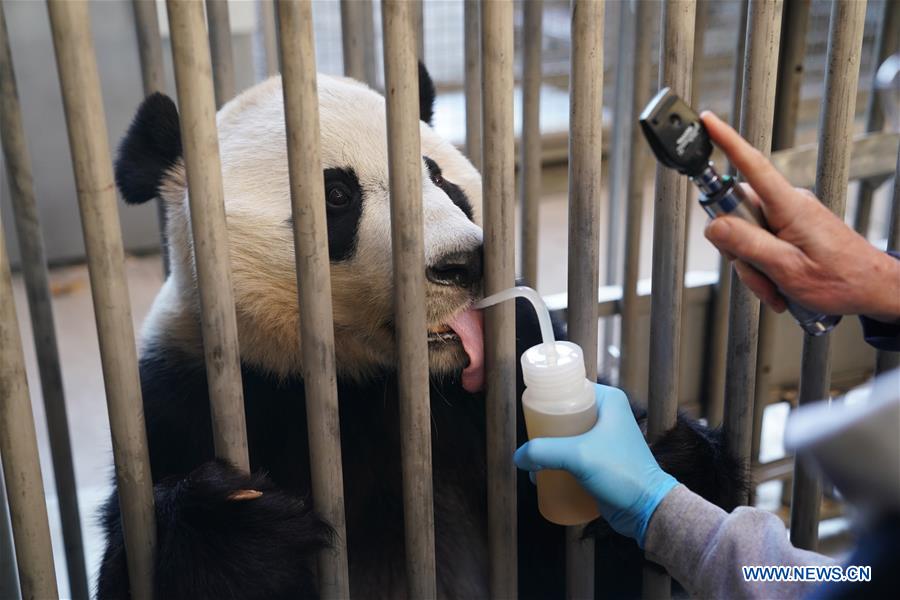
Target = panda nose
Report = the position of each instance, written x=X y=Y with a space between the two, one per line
x=461 y=269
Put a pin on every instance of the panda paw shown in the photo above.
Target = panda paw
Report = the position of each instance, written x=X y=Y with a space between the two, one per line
x=223 y=534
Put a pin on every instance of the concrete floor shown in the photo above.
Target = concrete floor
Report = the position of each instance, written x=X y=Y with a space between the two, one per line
x=83 y=380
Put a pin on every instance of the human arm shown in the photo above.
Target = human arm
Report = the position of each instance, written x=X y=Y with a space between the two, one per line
x=810 y=254
x=689 y=536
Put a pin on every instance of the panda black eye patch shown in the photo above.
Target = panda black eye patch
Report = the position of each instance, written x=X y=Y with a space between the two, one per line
x=453 y=191
x=343 y=205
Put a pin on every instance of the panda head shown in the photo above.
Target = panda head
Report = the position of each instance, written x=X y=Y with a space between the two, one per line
x=253 y=152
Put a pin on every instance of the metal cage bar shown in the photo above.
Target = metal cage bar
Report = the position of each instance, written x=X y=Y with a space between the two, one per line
x=530 y=145
x=266 y=57
x=34 y=271
x=791 y=55
x=885 y=46
x=884 y=360
x=832 y=173
x=407 y=242
x=418 y=12
x=669 y=222
x=146 y=25
x=499 y=273
x=220 y=49
x=9 y=577
x=352 y=42
x=19 y=452
x=85 y=120
x=472 y=80
x=757 y=114
x=193 y=78
x=718 y=321
x=301 y=110
x=585 y=159
x=636 y=60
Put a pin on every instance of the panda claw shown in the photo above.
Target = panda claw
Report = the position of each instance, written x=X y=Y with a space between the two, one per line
x=241 y=495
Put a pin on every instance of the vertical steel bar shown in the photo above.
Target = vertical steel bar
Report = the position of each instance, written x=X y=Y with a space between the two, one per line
x=408 y=247
x=146 y=24
x=473 y=81
x=530 y=166
x=585 y=161
x=266 y=40
x=9 y=577
x=368 y=43
x=85 y=120
x=700 y=23
x=352 y=39
x=19 y=452
x=220 y=48
x=499 y=273
x=636 y=61
x=418 y=12
x=887 y=361
x=718 y=325
x=795 y=17
x=885 y=45
x=301 y=111
x=193 y=79
x=620 y=151
x=669 y=222
x=757 y=114
x=832 y=170
x=34 y=271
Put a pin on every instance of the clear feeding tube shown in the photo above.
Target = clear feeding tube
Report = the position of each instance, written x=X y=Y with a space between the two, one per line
x=540 y=308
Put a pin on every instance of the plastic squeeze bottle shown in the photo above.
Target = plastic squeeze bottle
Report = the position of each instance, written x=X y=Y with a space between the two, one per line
x=558 y=401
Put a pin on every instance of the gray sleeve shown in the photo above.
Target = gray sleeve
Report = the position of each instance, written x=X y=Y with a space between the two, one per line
x=704 y=548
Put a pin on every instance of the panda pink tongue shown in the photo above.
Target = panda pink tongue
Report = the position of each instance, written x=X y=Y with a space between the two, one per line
x=469 y=326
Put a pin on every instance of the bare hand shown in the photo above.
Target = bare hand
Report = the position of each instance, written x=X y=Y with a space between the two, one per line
x=811 y=255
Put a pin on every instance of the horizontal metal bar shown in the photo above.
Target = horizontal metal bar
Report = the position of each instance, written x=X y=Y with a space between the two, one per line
x=872 y=155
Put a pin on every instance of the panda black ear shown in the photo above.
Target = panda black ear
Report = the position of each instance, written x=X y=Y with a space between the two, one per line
x=426 y=95
x=150 y=147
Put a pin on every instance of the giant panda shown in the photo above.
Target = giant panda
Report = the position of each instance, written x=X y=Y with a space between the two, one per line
x=224 y=534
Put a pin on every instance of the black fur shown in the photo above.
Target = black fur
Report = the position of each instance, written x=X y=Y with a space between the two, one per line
x=208 y=543
x=427 y=95
x=453 y=191
x=149 y=149
x=343 y=218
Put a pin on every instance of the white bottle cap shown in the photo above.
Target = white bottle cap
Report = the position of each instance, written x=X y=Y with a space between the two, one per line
x=553 y=366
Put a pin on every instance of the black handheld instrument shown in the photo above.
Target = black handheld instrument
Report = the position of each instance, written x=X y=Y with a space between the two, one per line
x=680 y=141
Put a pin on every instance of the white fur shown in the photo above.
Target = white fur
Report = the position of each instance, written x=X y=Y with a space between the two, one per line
x=255 y=179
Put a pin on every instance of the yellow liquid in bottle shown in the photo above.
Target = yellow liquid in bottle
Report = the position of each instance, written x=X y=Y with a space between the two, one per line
x=561 y=499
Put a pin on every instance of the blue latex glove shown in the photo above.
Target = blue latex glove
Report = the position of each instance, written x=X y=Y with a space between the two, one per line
x=611 y=461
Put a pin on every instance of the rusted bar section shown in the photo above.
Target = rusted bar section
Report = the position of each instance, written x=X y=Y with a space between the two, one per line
x=146 y=24
x=887 y=361
x=301 y=111
x=794 y=21
x=885 y=46
x=472 y=81
x=585 y=159
x=19 y=451
x=193 y=78
x=85 y=120
x=832 y=173
x=636 y=61
x=718 y=325
x=408 y=248
x=220 y=48
x=34 y=272
x=757 y=113
x=669 y=222
x=499 y=274
x=530 y=166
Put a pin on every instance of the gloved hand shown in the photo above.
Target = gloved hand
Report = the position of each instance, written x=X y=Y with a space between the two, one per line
x=611 y=461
